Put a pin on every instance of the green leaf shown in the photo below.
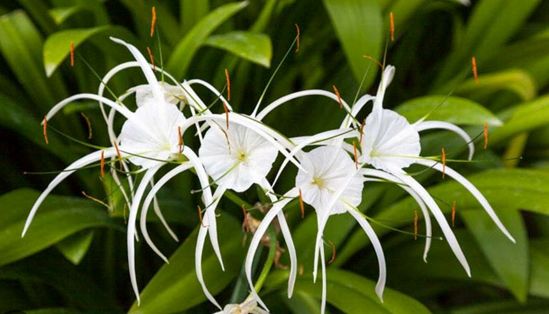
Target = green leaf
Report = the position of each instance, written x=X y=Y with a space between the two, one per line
x=509 y=260
x=250 y=46
x=191 y=12
x=57 y=218
x=451 y=109
x=539 y=274
x=358 y=25
x=75 y=247
x=175 y=288
x=516 y=81
x=184 y=52
x=58 y=45
x=60 y=15
x=352 y=293
x=523 y=118
x=503 y=188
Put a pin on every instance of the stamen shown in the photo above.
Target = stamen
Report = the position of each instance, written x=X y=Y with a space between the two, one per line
x=373 y=59
x=443 y=162
x=415 y=225
x=475 y=73
x=119 y=155
x=200 y=216
x=88 y=122
x=301 y=270
x=333 y=252
x=72 y=53
x=180 y=140
x=338 y=97
x=94 y=199
x=226 y=114
x=45 y=125
x=151 y=57
x=245 y=225
x=301 y=205
x=392 y=18
x=361 y=131
x=298 y=39
x=153 y=21
x=454 y=214
x=228 y=84
x=102 y=164
x=356 y=155
x=485 y=135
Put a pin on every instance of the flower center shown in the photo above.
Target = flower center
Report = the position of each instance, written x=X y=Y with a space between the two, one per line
x=318 y=182
x=241 y=155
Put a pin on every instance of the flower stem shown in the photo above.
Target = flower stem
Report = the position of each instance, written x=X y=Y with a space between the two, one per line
x=270 y=259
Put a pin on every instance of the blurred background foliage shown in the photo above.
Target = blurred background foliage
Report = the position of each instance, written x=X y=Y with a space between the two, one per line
x=73 y=260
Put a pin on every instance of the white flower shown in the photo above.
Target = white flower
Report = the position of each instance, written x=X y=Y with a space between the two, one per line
x=236 y=157
x=247 y=307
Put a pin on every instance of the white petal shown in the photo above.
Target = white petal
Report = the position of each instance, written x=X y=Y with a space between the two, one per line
x=82 y=162
x=146 y=204
x=323 y=297
x=356 y=110
x=439 y=216
x=212 y=89
x=386 y=79
x=390 y=142
x=147 y=71
x=474 y=191
x=429 y=125
x=380 y=286
x=131 y=228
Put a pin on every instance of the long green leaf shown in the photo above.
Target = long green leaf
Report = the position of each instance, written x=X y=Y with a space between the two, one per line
x=57 y=218
x=184 y=52
x=358 y=25
x=253 y=47
x=451 y=109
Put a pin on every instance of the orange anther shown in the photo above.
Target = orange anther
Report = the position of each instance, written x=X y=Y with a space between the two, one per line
x=475 y=73
x=443 y=162
x=485 y=135
x=180 y=139
x=151 y=57
x=200 y=216
x=298 y=38
x=333 y=252
x=226 y=114
x=102 y=164
x=454 y=214
x=94 y=199
x=153 y=21
x=45 y=126
x=228 y=84
x=301 y=205
x=361 y=131
x=392 y=18
x=72 y=53
x=245 y=222
x=338 y=97
x=415 y=225
x=119 y=155
x=356 y=155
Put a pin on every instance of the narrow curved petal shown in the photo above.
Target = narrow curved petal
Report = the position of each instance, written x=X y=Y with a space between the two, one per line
x=430 y=125
x=145 y=67
x=202 y=232
x=380 y=286
x=324 y=288
x=417 y=198
x=287 y=238
x=132 y=230
x=356 y=110
x=437 y=213
x=292 y=96
x=150 y=197
x=386 y=79
x=158 y=212
x=82 y=162
x=121 y=109
x=212 y=89
x=260 y=232
x=473 y=190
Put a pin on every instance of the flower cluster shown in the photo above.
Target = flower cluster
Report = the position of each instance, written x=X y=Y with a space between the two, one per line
x=237 y=151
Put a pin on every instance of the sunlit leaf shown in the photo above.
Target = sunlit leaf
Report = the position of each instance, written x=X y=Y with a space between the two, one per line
x=250 y=46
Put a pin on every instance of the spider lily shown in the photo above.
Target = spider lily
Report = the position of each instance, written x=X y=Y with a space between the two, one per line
x=150 y=138
x=247 y=307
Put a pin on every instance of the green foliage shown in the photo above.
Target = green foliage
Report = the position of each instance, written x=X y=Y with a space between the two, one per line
x=73 y=258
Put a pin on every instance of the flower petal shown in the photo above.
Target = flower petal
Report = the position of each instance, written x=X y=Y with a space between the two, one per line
x=429 y=125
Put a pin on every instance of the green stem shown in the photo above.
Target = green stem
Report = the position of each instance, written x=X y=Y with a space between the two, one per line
x=270 y=259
